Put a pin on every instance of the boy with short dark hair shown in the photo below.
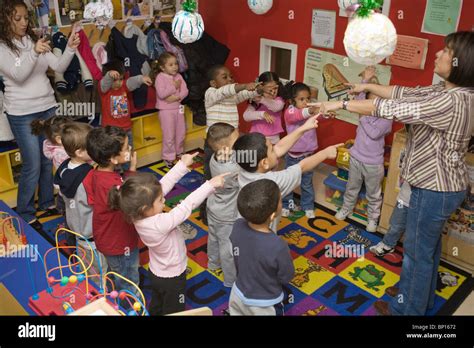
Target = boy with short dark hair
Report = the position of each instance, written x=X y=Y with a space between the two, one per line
x=262 y=259
x=71 y=177
x=222 y=205
x=265 y=158
x=113 y=235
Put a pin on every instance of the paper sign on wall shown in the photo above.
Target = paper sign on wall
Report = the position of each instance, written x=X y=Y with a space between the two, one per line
x=410 y=52
x=323 y=30
x=328 y=72
x=441 y=16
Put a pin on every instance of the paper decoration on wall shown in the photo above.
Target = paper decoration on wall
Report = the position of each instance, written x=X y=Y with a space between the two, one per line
x=100 y=12
x=370 y=37
x=409 y=53
x=344 y=4
x=188 y=25
x=260 y=7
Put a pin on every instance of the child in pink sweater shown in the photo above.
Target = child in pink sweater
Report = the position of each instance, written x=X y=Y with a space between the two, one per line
x=265 y=112
x=141 y=198
x=171 y=89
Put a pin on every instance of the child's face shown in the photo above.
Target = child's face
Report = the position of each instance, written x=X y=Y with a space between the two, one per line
x=117 y=84
x=171 y=66
x=158 y=205
x=125 y=154
x=301 y=100
x=271 y=161
x=223 y=78
x=272 y=86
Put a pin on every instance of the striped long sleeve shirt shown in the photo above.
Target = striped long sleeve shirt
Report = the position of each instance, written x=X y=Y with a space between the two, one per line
x=221 y=104
x=439 y=135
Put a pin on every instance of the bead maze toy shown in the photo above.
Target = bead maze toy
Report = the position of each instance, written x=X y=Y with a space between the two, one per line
x=12 y=235
x=74 y=285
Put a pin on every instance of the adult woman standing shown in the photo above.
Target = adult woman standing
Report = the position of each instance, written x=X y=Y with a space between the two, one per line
x=440 y=130
x=24 y=61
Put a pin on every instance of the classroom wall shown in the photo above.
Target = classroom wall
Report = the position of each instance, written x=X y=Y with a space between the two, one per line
x=233 y=23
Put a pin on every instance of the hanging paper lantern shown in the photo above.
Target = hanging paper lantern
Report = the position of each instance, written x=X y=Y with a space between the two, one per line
x=260 y=7
x=370 y=37
x=188 y=25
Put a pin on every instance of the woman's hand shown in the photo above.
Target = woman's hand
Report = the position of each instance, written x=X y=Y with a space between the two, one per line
x=327 y=108
x=356 y=88
x=331 y=151
x=188 y=159
x=219 y=181
x=311 y=123
x=268 y=118
x=42 y=46
x=74 y=40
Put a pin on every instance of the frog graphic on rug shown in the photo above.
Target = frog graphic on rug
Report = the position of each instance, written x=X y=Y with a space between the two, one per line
x=298 y=238
x=370 y=275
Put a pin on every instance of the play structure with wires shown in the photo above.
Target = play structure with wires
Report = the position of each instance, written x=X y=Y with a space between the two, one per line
x=80 y=282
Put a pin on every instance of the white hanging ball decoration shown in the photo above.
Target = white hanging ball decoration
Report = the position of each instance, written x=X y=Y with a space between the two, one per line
x=187 y=27
x=260 y=7
x=369 y=40
x=346 y=3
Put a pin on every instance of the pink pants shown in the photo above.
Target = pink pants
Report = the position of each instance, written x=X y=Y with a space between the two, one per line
x=173 y=129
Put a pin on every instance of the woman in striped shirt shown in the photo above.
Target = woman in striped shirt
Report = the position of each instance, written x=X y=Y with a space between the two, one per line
x=441 y=127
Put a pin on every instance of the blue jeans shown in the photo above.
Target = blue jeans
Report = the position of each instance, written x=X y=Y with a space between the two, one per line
x=427 y=214
x=398 y=222
x=126 y=266
x=36 y=169
x=307 y=190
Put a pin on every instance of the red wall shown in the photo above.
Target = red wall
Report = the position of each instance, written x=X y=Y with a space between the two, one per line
x=231 y=22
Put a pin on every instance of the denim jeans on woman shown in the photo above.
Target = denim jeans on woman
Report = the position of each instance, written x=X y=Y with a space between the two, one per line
x=36 y=168
x=427 y=214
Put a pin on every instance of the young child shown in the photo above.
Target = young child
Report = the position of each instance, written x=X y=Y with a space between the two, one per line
x=295 y=116
x=398 y=222
x=113 y=235
x=221 y=100
x=262 y=259
x=52 y=146
x=264 y=112
x=141 y=198
x=71 y=177
x=367 y=163
x=260 y=165
x=222 y=205
x=171 y=89
x=114 y=99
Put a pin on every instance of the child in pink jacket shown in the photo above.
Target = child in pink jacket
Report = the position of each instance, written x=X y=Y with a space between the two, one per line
x=171 y=89
x=141 y=198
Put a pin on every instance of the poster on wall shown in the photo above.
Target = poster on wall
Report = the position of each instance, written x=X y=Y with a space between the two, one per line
x=69 y=11
x=323 y=29
x=441 y=17
x=409 y=53
x=168 y=7
x=329 y=72
x=137 y=9
x=42 y=12
x=344 y=13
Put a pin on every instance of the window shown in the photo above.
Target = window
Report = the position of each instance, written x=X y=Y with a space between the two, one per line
x=279 y=57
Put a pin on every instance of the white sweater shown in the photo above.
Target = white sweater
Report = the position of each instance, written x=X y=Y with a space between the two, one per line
x=27 y=88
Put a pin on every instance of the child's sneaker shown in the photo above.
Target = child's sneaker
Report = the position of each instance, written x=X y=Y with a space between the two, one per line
x=285 y=212
x=309 y=214
x=381 y=249
x=372 y=226
x=169 y=164
x=342 y=214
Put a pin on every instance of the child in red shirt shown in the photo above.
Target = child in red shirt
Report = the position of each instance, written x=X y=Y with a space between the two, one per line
x=113 y=235
x=114 y=99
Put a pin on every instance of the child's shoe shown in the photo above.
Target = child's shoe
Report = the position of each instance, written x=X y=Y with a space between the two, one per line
x=169 y=164
x=381 y=249
x=342 y=214
x=285 y=212
x=309 y=214
x=372 y=226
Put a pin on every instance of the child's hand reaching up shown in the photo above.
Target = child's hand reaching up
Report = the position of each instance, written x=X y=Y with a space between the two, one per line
x=147 y=80
x=188 y=159
x=331 y=151
x=114 y=74
x=218 y=181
